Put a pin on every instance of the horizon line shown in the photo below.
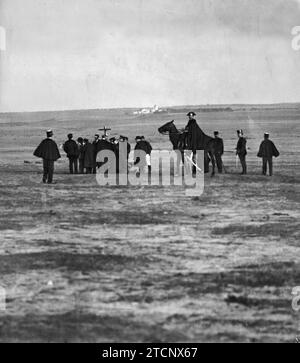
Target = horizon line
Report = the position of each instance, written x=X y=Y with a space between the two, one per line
x=142 y=107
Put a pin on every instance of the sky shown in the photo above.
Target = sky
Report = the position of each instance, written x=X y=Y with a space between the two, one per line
x=83 y=54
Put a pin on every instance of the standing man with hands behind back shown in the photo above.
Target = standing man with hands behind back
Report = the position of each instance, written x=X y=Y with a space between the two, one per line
x=72 y=150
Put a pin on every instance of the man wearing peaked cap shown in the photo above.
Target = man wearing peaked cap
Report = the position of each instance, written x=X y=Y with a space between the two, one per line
x=241 y=150
x=48 y=151
x=195 y=140
x=49 y=133
x=191 y=114
x=267 y=151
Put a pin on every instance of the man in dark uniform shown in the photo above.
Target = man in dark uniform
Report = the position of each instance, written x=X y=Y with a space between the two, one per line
x=219 y=151
x=72 y=150
x=49 y=152
x=267 y=151
x=81 y=155
x=241 y=150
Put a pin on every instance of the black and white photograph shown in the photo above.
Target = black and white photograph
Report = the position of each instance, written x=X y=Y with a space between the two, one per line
x=150 y=173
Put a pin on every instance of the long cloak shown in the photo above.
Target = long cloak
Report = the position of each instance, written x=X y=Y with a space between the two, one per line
x=47 y=150
x=195 y=136
x=268 y=150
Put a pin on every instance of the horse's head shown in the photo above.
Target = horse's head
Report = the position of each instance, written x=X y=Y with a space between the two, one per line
x=167 y=128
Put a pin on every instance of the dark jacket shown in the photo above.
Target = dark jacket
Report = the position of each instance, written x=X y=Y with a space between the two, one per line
x=145 y=146
x=103 y=145
x=219 y=146
x=71 y=149
x=268 y=150
x=89 y=155
x=241 y=148
x=47 y=150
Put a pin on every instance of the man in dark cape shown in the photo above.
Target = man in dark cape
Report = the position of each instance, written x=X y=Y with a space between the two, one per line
x=267 y=151
x=195 y=136
x=48 y=151
x=71 y=148
x=195 y=140
x=241 y=150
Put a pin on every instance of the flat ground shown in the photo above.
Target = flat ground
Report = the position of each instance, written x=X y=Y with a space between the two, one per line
x=81 y=262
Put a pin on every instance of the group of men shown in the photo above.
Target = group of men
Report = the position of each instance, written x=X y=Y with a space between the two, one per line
x=82 y=154
x=195 y=139
x=267 y=151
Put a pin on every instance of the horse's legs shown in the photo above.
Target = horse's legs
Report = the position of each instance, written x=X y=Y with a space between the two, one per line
x=206 y=162
x=186 y=169
x=184 y=165
x=178 y=162
x=213 y=161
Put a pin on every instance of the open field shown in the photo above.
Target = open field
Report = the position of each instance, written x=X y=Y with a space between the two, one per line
x=82 y=262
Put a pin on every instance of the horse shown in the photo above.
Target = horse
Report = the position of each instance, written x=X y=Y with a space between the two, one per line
x=178 y=139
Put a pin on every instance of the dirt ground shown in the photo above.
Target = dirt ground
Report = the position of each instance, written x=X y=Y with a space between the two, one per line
x=84 y=263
